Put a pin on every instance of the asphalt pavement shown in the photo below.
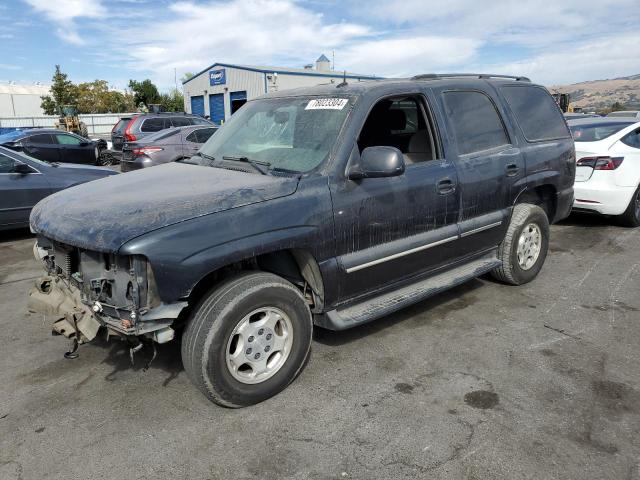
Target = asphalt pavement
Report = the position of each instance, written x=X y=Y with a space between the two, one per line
x=485 y=381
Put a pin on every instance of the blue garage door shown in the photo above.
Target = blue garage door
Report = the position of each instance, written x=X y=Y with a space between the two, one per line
x=216 y=108
x=197 y=105
x=237 y=99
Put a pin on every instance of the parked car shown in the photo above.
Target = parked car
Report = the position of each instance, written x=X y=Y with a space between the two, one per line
x=329 y=205
x=165 y=146
x=136 y=127
x=24 y=181
x=625 y=113
x=575 y=115
x=51 y=145
x=608 y=167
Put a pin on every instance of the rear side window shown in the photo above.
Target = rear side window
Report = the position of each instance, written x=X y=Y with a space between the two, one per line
x=476 y=123
x=536 y=112
x=41 y=138
x=632 y=139
x=204 y=134
x=154 y=124
x=121 y=125
x=192 y=138
x=6 y=164
x=180 y=122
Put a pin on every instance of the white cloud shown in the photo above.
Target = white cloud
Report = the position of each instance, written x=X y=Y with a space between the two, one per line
x=605 y=58
x=239 y=31
x=5 y=66
x=64 y=12
x=401 y=57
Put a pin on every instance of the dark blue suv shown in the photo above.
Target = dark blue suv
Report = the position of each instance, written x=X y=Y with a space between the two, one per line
x=328 y=206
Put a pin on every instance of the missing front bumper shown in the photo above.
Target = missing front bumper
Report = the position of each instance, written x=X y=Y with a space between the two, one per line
x=53 y=297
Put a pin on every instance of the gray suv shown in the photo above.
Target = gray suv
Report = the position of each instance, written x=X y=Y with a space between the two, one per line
x=165 y=146
x=131 y=129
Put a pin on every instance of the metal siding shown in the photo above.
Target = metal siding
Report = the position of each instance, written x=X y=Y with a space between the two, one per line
x=238 y=95
x=197 y=105
x=216 y=108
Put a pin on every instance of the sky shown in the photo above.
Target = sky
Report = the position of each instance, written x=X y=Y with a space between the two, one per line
x=551 y=41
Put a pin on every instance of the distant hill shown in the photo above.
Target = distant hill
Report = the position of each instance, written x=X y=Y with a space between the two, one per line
x=600 y=94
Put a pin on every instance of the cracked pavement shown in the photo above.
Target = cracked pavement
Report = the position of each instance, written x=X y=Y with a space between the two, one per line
x=482 y=382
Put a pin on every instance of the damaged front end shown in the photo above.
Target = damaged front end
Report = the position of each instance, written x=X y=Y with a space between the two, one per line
x=85 y=290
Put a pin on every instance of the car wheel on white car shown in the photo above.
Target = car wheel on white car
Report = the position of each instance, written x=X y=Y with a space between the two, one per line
x=631 y=216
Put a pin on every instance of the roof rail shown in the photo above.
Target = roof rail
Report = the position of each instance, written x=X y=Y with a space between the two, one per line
x=438 y=76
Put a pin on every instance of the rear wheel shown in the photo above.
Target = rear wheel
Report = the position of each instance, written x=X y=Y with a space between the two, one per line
x=631 y=216
x=524 y=248
x=247 y=340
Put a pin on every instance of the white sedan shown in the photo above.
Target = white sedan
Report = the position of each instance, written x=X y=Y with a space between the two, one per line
x=608 y=167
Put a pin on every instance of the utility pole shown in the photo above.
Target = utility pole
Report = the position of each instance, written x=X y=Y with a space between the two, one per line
x=333 y=59
x=175 y=78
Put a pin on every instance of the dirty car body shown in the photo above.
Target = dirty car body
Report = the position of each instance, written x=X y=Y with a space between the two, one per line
x=358 y=240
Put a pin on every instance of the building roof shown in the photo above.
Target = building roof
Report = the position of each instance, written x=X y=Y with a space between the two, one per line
x=322 y=58
x=286 y=70
x=17 y=89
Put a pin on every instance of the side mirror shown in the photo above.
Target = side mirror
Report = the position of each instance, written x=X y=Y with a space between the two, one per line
x=378 y=162
x=22 y=168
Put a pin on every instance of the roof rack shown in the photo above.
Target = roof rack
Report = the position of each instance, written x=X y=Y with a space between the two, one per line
x=438 y=76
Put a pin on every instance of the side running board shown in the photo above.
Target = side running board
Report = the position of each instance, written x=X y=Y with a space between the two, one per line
x=376 y=307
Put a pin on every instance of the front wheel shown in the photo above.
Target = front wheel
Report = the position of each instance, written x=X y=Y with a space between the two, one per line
x=248 y=339
x=631 y=216
x=525 y=245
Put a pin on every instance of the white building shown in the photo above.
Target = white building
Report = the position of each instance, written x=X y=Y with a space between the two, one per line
x=220 y=89
x=21 y=100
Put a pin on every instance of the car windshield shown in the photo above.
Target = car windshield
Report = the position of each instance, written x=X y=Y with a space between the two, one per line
x=11 y=136
x=294 y=134
x=596 y=131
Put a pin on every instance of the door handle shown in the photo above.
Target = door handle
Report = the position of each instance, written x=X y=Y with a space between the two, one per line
x=512 y=170
x=445 y=186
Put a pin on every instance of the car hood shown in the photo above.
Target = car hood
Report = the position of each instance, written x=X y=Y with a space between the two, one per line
x=104 y=214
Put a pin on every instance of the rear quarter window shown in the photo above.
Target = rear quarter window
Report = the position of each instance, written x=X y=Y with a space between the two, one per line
x=536 y=112
x=476 y=123
x=154 y=124
x=180 y=121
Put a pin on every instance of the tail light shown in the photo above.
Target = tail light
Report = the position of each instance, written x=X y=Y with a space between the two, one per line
x=145 y=151
x=600 y=163
x=128 y=136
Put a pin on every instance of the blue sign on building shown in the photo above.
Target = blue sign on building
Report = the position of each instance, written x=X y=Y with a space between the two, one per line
x=217 y=77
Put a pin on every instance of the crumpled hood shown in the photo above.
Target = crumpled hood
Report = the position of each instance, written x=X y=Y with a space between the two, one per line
x=104 y=214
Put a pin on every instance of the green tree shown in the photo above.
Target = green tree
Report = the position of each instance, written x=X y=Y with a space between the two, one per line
x=63 y=92
x=186 y=76
x=172 y=101
x=144 y=92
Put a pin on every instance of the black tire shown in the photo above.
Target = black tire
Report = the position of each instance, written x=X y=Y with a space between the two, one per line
x=104 y=159
x=631 y=216
x=212 y=322
x=510 y=271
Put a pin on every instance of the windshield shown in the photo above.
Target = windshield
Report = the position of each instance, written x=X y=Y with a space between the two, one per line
x=11 y=136
x=596 y=131
x=295 y=133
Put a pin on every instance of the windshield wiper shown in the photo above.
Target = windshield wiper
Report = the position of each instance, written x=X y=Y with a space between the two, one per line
x=258 y=165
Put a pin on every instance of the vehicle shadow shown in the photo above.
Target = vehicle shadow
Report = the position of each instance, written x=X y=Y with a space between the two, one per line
x=168 y=358
x=579 y=219
x=15 y=235
x=432 y=308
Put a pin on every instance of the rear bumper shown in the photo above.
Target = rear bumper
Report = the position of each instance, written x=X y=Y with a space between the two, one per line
x=602 y=198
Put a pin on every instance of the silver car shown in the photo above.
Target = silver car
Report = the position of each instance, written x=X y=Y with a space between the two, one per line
x=165 y=146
